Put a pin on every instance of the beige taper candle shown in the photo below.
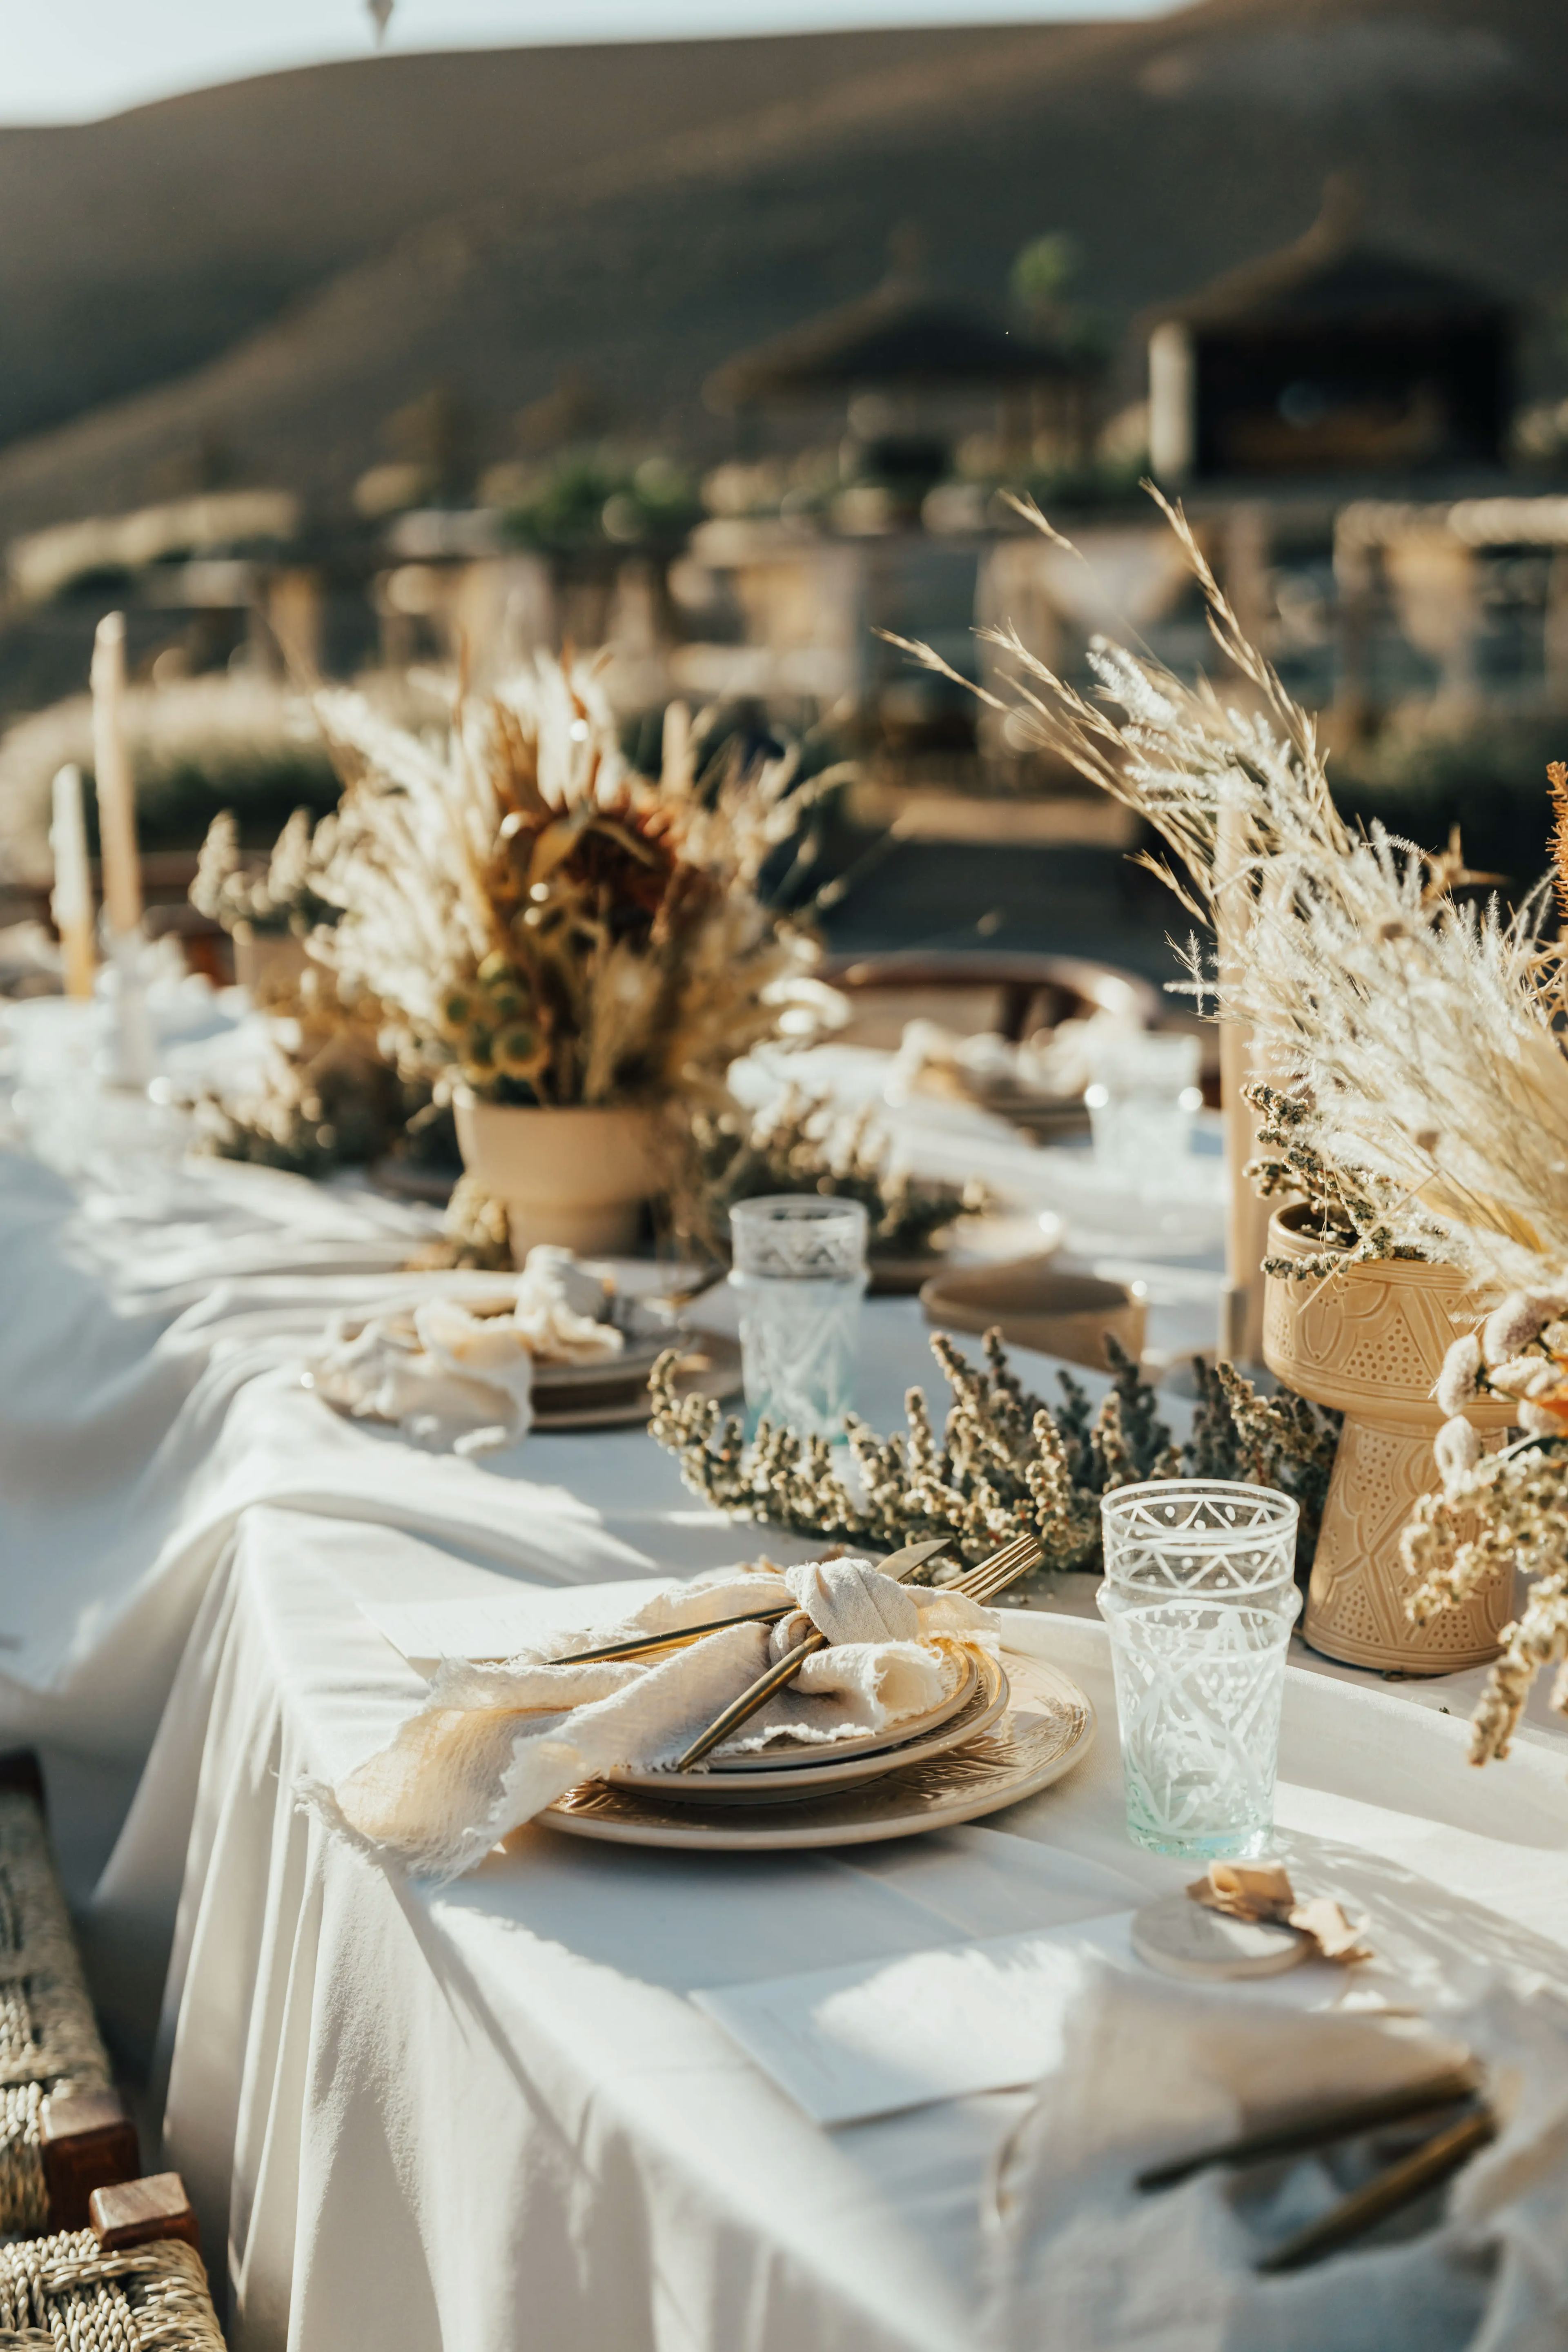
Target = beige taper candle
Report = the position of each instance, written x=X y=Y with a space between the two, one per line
x=112 y=775
x=1246 y=1217
x=72 y=900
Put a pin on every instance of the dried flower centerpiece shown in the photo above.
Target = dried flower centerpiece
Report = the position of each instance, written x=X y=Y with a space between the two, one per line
x=572 y=949
x=1412 y=1031
x=268 y=909
x=1498 y=1513
x=1410 y=1042
x=804 y=1144
x=1005 y=1463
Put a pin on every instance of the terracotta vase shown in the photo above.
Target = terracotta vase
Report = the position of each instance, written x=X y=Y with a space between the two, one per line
x=1370 y=1341
x=575 y=1177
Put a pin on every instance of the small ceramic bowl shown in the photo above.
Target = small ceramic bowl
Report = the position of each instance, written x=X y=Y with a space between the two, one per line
x=1040 y=1305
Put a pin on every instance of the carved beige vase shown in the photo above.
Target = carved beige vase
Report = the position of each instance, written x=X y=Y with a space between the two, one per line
x=1370 y=1341
x=577 y=1177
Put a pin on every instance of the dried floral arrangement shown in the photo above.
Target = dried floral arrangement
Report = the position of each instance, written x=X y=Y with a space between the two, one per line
x=1006 y=1463
x=1339 y=1206
x=803 y=1144
x=1414 y=1032
x=326 y=1098
x=1503 y=1511
x=273 y=900
x=540 y=921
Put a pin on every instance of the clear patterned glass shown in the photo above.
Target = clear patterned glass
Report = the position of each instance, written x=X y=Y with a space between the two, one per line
x=1200 y=1683
x=1142 y=1100
x=1214 y=1536
x=800 y=1270
x=1199 y=1597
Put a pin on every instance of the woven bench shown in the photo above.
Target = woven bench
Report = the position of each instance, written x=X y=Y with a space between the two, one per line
x=64 y=2130
x=131 y=2282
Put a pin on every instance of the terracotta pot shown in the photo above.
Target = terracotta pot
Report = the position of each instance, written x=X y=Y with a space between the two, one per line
x=268 y=963
x=1370 y=1341
x=1059 y=1314
x=575 y=1177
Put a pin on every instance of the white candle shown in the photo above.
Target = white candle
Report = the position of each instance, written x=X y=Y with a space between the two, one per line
x=1246 y=1217
x=72 y=900
x=116 y=790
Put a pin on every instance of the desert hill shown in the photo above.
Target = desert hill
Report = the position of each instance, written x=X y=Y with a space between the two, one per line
x=1170 y=148
x=136 y=248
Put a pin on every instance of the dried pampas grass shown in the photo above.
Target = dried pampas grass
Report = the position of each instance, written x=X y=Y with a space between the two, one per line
x=1415 y=1032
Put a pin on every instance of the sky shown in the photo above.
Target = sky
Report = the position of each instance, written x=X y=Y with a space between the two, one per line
x=72 y=61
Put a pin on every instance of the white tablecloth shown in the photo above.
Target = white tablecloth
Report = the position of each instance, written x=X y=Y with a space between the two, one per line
x=489 y=2118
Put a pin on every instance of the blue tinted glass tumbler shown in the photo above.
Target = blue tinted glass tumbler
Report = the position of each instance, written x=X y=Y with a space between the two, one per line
x=799 y=1266
x=1199 y=1599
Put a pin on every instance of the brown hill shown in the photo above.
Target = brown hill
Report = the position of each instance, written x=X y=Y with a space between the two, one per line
x=1170 y=148
x=136 y=248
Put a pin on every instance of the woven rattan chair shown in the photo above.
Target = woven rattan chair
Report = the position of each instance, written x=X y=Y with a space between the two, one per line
x=63 y=2128
x=130 y=2281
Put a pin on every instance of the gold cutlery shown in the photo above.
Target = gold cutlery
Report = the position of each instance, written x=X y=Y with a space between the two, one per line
x=897 y=1565
x=1320 y=2128
x=1399 y=2186
x=982 y=1583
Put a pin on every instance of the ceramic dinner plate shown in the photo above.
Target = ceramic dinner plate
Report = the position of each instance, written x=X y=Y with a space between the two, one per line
x=1046 y=1730
x=786 y=1775
x=635 y=1362
x=710 y=1366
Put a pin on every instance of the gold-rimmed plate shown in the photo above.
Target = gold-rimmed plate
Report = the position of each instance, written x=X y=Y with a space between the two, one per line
x=791 y=1776
x=1047 y=1728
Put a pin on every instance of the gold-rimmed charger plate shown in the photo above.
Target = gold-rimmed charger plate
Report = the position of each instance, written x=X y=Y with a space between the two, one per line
x=973 y=1707
x=1047 y=1728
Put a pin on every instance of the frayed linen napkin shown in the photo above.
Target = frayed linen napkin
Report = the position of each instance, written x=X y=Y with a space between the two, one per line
x=492 y=1746
x=1083 y=2261
x=456 y=1381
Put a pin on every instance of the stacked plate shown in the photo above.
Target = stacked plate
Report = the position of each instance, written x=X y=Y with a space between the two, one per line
x=613 y=1393
x=1000 y=1736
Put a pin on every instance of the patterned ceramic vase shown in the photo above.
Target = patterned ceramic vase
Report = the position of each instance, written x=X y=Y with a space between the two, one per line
x=1370 y=1341
x=576 y=1177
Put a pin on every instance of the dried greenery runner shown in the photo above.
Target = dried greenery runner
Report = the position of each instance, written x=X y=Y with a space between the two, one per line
x=1005 y=1464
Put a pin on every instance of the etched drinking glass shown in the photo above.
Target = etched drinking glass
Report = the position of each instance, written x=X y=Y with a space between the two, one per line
x=1142 y=1100
x=799 y=1266
x=1199 y=1599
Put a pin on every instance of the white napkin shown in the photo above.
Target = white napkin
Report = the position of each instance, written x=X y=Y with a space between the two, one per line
x=493 y=1745
x=1083 y=2261
x=452 y=1379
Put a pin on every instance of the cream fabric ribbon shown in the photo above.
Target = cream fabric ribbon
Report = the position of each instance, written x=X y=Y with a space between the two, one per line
x=492 y=1746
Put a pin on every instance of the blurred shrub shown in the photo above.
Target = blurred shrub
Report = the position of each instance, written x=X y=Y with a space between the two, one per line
x=593 y=498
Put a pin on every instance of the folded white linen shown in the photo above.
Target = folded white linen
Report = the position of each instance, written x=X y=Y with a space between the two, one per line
x=1082 y=2260
x=492 y=1746
x=450 y=1378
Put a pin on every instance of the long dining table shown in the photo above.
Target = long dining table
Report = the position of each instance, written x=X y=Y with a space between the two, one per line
x=492 y=2114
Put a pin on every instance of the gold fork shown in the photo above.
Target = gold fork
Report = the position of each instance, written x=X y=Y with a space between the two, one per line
x=982 y=1583
x=897 y=1565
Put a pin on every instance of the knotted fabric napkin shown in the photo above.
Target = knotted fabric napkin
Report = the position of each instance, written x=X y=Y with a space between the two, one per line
x=1083 y=2261
x=452 y=1378
x=493 y=1745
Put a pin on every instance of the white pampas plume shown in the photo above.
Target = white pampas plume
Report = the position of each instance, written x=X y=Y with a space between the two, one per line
x=1514 y=1324
x=1458 y=1448
x=1456 y=1381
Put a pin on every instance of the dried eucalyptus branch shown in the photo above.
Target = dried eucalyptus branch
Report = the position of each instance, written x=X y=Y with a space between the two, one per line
x=1347 y=1208
x=1005 y=1464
